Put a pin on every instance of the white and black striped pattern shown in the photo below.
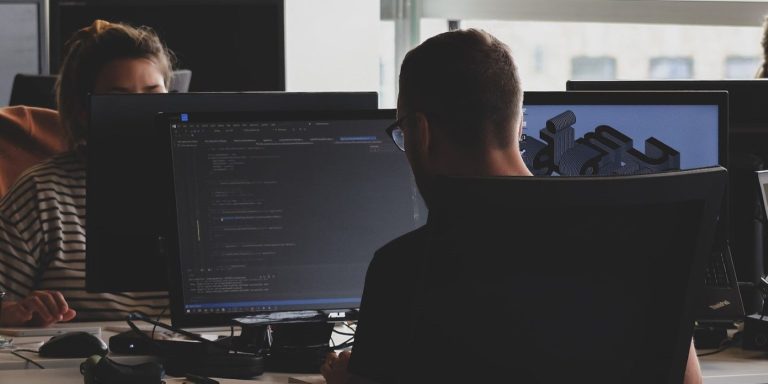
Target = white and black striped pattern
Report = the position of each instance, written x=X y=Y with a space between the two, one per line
x=42 y=242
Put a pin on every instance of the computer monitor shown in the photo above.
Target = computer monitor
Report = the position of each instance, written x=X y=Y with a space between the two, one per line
x=230 y=45
x=282 y=212
x=624 y=133
x=129 y=194
x=23 y=41
x=747 y=152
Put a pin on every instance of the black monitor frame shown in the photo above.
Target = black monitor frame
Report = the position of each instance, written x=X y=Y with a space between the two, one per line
x=719 y=98
x=116 y=121
x=55 y=43
x=179 y=316
x=742 y=118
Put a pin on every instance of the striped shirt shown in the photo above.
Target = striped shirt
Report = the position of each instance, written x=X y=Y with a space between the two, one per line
x=42 y=242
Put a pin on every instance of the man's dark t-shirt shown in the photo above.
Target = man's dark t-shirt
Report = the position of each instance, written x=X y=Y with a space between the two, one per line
x=386 y=305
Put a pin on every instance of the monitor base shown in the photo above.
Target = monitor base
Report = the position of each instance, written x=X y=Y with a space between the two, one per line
x=289 y=348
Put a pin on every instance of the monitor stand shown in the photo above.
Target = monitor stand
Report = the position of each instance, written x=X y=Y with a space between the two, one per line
x=287 y=347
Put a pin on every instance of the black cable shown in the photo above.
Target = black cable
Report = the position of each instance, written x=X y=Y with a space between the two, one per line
x=724 y=345
x=158 y=320
x=191 y=335
x=27 y=359
x=25 y=350
x=348 y=343
x=721 y=349
x=343 y=346
x=343 y=333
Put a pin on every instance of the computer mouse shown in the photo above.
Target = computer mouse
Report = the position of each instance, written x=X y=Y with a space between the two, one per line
x=73 y=344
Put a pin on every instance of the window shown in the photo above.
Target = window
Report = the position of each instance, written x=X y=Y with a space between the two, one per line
x=671 y=68
x=741 y=67
x=555 y=41
x=592 y=68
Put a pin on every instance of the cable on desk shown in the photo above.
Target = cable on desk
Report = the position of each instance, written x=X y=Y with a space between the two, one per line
x=25 y=350
x=190 y=335
x=346 y=324
x=723 y=346
x=154 y=326
x=721 y=349
x=348 y=343
x=27 y=359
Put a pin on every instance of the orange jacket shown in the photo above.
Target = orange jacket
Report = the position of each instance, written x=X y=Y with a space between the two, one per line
x=28 y=135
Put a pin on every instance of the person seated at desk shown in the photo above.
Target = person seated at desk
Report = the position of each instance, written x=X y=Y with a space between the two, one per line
x=460 y=114
x=42 y=218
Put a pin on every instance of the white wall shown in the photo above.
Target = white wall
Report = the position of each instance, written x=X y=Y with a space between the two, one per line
x=332 y=45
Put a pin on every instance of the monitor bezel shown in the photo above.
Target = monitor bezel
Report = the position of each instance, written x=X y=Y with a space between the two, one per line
x=739 y=89
x=55 y=43
x=179 y=316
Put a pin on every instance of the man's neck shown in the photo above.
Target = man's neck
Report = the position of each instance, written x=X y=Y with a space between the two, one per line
x=506 y=162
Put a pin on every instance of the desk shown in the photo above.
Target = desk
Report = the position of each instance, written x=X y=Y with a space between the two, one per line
x=72 y=376
x=15 y=370
x=733 y=366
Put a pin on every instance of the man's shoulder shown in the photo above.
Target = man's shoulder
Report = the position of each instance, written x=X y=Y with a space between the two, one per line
x=403 y=248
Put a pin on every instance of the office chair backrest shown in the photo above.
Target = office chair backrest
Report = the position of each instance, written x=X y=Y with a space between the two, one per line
x=563 y=279
x=180 y=81
x=40 y=90
x=34 y=91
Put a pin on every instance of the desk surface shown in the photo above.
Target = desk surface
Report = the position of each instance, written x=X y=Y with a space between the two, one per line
x=733 y=366
x=16 y=370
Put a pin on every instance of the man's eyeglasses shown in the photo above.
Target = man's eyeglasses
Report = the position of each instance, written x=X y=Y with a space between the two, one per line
x=396 y=133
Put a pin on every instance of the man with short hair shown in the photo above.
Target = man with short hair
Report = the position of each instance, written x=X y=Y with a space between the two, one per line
x=459 y=114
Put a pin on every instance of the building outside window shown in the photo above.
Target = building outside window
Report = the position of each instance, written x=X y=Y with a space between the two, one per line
x=593 y=68
x=671 y=68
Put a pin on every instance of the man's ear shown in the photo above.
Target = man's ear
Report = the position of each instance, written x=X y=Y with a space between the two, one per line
x=423 y=132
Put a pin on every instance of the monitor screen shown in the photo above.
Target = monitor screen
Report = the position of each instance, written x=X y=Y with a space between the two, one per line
x=22 y=42
x=747 y=121
x=284 y=212
x=580 y=133
x=745 y=97
x=129 y=163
